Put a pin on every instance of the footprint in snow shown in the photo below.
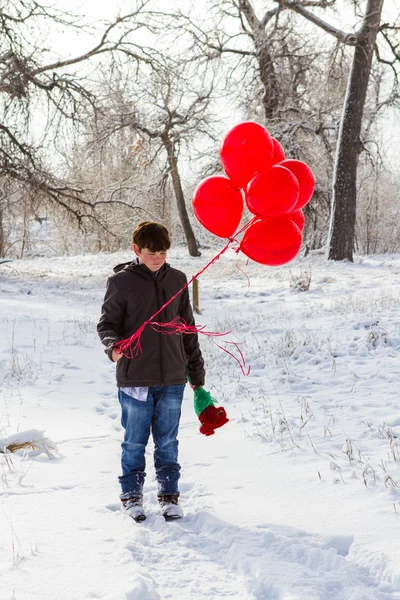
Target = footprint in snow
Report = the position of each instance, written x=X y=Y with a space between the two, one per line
x=114 y=507
x=144 y=589
x=109 y=410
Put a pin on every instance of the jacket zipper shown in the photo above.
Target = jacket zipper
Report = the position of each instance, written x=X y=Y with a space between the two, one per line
x=161 y=335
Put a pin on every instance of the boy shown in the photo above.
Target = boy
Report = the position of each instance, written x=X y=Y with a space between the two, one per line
x=150 y=388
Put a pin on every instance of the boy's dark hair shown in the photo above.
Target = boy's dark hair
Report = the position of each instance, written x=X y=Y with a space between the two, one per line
x=150 y=235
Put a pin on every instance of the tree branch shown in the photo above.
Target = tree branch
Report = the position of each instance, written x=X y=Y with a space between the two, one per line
x=350 y=39
x=100 y=48
x=268 y=16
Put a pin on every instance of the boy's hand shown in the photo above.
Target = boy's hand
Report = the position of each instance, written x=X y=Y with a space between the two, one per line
x=194 y=387
x=115 y=355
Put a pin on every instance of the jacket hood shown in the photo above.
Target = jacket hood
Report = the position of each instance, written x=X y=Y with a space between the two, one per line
x=121 y=266
x=132 y=265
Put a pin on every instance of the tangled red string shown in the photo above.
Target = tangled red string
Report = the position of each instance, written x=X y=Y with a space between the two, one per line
x=131 y=347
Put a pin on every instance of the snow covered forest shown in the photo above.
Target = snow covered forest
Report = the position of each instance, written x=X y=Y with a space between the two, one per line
x=105 y=122
x=111 y=114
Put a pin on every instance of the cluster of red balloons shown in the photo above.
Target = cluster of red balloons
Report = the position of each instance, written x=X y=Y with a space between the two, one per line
x=275 y=191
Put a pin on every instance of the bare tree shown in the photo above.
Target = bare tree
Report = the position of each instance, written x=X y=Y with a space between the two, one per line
x=279 y=76
x=115 y=166
x=350 y=143
x=33 y=79
x=167 y=107
x=288 y=71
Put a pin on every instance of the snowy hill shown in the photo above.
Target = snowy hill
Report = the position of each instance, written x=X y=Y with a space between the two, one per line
x=297 y=498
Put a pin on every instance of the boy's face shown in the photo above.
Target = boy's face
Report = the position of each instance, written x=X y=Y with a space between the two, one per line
x=152 y=260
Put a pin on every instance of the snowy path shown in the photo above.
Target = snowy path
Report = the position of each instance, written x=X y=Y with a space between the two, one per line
x=260 y=524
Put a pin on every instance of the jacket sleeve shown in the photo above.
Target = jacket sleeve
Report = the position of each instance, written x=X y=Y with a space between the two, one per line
x=195 y=365
x=109 y=327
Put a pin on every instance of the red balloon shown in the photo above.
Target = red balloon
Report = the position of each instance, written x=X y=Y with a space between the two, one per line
x=272 y=193
x=298 y=218
x=279 y=153
x=246 y=149
x=218 y=205
x=305 y=177
x=273 y=242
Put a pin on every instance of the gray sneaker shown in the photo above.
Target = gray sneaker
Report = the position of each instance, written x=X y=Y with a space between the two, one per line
x=170 y=508
x=133 y=507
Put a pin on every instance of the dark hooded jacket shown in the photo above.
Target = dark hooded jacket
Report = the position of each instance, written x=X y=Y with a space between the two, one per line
x=133 y=295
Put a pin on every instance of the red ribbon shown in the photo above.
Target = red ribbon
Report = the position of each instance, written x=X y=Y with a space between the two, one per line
x=131 y=347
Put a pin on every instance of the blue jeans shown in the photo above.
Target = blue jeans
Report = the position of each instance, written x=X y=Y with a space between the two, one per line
x=160 y=413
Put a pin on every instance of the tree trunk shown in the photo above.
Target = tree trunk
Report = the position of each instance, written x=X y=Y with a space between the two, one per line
x=180 y=199
x=344 y=199
x=270 y=99
x=2 y=241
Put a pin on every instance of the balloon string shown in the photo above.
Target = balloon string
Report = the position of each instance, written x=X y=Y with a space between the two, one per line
x=244 y=273
x=131 y=347
x=178 y=326
x=242 y=362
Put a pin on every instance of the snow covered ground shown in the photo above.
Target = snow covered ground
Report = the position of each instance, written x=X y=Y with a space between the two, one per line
x=297 y=498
